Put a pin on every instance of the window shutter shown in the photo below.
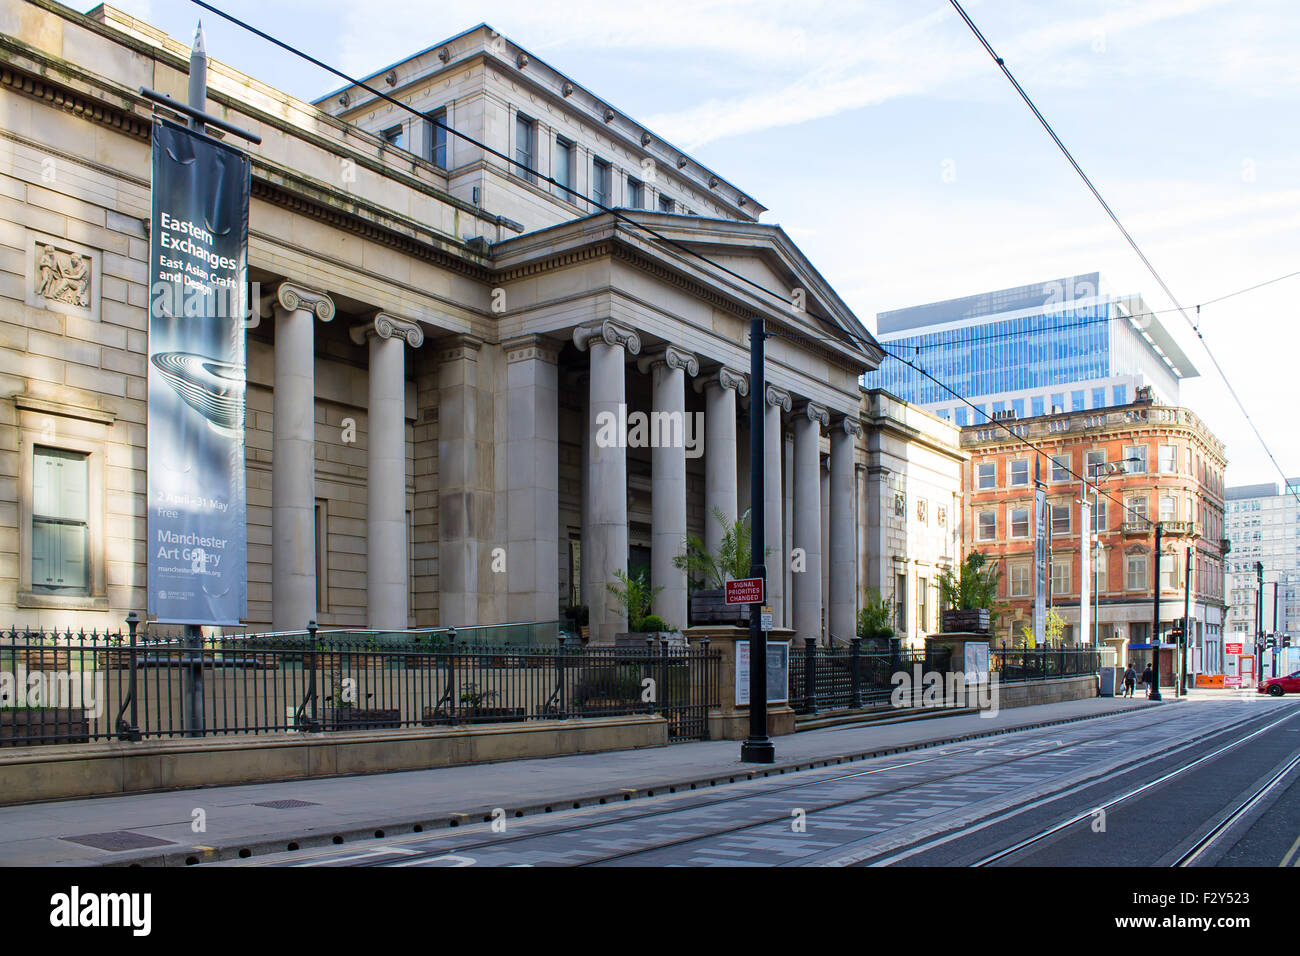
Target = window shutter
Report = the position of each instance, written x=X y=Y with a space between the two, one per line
x=72 y=556
x=74 y=490
x=44 y=546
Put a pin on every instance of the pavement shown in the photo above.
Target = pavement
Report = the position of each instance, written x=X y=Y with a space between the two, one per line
x=218 y=823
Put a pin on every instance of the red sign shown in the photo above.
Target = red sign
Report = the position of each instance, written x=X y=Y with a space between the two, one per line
x=1232 y=648
x=744 y=591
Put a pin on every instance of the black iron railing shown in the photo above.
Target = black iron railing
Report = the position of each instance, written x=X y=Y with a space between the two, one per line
x=1043 y=663
x=69 y=687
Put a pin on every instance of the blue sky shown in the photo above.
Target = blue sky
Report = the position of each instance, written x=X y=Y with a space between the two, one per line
x=894 y=152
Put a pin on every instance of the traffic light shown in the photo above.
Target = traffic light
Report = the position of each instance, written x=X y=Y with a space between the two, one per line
x=1286 y=640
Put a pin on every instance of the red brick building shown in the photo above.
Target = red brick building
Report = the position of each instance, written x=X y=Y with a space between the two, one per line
x=1177 y=480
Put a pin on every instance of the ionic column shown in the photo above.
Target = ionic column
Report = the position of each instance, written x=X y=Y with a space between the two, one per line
x=776 y=401
x=607 y=454
x=669 y=369
x=464 y=491
x=387 y=574
x=293 y=466
x=532 y=478
x=842 y=545
x=807 y=584
x=721 y=389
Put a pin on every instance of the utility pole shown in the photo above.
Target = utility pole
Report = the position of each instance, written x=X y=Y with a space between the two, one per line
x=758 y=748
x=1259 y=616
x=1187 y=624
x=1276 y=638
x=1155 y=624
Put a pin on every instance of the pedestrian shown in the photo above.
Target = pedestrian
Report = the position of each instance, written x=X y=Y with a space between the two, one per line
x=1130 y=678
x=1148 y=678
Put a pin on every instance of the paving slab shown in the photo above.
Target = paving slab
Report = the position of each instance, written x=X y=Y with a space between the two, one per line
x=206 y=824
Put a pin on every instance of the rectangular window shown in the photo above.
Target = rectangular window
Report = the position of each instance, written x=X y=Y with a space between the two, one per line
x=1135 y=459
x=961 y=417
x=999 y=407
x=988 y=525
x=1135 y=577
x=1119 y=395
x=1058 y=401
x=1076 y=400
x=1169 y=572
x=635 y=189
x=562 y=169
x=1135 y=508
x=1036 y=403
x=1099 y=516
x=437 y=139
x=922 y=604
x=1168 y=508
x=525 y=146
x=60 y=521
x=900 y=603
x=1095 y=463
x=1020 y=522
x=600 y=181
x=1018 y=406
x=1061 y=467
x=1019 y=580
x=988 y=475
x=665 y=203
x=395 y=136
x=1020 y=472
x=1060 y=519
x=1098 y=398
x=1060 y=577
x=1168 y=459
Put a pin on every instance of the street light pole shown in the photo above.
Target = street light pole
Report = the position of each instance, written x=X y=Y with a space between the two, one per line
x=1155 y=624
x=758 y=748
x=1187 y=624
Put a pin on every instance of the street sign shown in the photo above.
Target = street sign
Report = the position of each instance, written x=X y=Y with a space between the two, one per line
x=1232 y=648
x=744 y=591
x=777 y=657
x=765 y=618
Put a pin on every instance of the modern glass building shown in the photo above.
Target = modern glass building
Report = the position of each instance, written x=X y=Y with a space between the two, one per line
x=1063 y=344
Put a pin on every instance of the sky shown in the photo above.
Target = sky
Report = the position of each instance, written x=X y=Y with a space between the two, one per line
x=893 y=151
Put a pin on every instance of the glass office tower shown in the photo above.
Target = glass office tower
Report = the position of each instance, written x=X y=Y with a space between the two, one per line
x=1063 y=344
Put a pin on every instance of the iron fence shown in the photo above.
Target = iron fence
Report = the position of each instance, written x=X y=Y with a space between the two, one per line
x=1043 y=663
x=70 y=687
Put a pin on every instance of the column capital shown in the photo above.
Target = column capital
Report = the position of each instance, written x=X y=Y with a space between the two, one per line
x=778 y=396
x=671 y=356
x=610 y=332
x=723 y=377
x=292 y=296
x=459 y=346
x=521 y=348
x=816 y=413
x=851 y=425
x=385 y=326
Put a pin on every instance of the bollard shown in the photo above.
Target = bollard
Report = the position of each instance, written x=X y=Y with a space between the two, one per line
x=313 y=725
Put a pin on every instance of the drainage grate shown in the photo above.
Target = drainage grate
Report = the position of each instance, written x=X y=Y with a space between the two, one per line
x=118 y=840
x=286 y=804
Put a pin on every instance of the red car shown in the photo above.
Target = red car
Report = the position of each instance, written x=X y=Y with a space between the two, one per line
x=1277 y=686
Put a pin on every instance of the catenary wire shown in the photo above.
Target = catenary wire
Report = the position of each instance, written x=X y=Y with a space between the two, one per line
x=861 y=340
x=1295 y=491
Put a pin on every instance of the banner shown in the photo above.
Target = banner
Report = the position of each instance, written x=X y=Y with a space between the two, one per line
x=198 y=263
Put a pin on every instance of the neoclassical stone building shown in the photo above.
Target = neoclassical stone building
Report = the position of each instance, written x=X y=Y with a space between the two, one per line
x=437 y=333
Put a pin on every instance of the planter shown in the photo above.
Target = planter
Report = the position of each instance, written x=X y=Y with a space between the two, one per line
x=431 y=717
x=362 y=718
x=29 y=727
x=975 y=620
x=638 y=639
x=709 y=609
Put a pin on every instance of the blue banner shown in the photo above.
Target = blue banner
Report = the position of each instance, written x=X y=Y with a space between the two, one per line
x=198 y=265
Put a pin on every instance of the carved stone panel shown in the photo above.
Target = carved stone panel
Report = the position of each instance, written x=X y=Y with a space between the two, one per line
x=62 y=276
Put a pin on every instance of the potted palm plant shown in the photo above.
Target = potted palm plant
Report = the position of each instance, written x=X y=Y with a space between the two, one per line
x=969 y=595
x=636 y=595
x=708 y=571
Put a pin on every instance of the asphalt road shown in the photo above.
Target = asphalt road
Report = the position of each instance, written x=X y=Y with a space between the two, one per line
x=1165 y=777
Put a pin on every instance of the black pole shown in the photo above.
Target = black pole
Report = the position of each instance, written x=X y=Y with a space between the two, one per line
x=1275 y=637
x=1187 y=624
x=758 y=748
x=1259 y=618
x=1155 y=626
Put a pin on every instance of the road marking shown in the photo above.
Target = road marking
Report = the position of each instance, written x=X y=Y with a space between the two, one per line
x=1290 y=854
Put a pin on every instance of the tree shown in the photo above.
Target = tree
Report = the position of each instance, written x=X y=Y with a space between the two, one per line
x=731 y=560
x=973 y=587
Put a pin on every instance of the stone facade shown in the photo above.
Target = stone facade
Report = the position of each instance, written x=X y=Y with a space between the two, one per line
x=434 y=338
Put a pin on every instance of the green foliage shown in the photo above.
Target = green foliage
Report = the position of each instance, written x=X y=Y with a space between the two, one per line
x=732 y=559
x=579 y=614
x=875 y=617
x=975 y=585
x=654 y=622
x=635 y=595
x=473 y=696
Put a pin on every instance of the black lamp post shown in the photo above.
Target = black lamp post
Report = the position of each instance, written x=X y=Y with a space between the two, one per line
x=758 y=748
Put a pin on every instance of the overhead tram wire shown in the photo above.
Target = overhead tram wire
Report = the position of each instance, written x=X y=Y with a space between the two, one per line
x=1127 y=237
x=867 y=342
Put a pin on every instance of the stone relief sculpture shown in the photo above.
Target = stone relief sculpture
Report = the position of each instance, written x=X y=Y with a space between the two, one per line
x=63 y=277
